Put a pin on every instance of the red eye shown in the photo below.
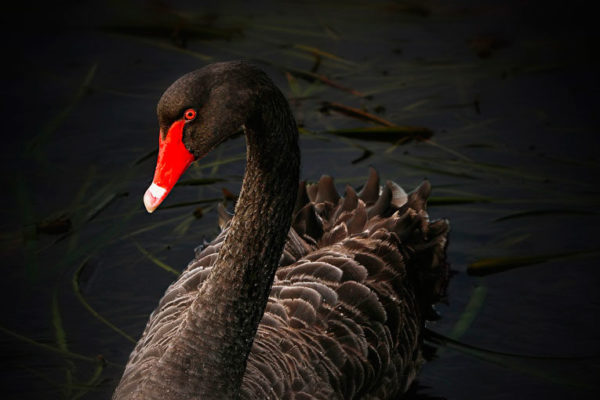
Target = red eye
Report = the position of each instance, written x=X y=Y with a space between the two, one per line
x=189 y=114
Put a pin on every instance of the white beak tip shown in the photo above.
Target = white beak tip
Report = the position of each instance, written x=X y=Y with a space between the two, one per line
x=153 y=197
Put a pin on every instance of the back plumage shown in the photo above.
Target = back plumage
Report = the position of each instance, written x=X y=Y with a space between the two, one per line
x=357 y=279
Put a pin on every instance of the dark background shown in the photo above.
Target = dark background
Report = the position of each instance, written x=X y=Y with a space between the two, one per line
x=509 y=91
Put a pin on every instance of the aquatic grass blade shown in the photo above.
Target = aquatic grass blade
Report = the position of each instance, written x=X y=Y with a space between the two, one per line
x=46 y=347
x=389 y=134
x=92 y=382
x=355 y=113
x=472 y=309
x=61 y=341
x=536 y=213
x=78 y=293
x=453 y=200
x=492 y=265
x=29 y=234
x=316 y=51
x=155 y=260
x=547 y=367
x=199 y=181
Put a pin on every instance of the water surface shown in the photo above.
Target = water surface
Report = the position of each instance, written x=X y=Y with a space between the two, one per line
x=509 y=92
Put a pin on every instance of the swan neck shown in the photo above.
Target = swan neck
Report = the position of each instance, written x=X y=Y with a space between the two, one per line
x=231 y=302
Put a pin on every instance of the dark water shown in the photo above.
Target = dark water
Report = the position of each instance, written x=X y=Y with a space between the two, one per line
x=509 y=90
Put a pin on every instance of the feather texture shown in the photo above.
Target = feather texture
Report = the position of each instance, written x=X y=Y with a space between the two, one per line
x=345 y=314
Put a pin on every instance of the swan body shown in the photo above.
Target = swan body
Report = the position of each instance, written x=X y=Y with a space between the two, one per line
x=304 y=294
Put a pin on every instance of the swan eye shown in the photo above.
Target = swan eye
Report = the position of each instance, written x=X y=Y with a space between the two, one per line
x=189 y=114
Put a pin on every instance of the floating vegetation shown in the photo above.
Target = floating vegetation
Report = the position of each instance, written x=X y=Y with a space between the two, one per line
x=325 y=54
x=469 y=314
x=315 y=77
x=453 y=200
x=485 y=45
x=89 y=308
x=494 y=265
x=388 y=134
x=47 y=347
x=199 y=181
x=156 y=261
x=355 y=112
x=54 y=226
x=548 y=367
x=539 y=213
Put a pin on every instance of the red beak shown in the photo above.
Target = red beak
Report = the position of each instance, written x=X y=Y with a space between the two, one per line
x=173 y=160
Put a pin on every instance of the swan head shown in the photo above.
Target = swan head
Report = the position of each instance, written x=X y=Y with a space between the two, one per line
x=196 y=113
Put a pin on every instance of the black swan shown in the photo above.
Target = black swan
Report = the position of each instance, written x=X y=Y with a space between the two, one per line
x=304 y=294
